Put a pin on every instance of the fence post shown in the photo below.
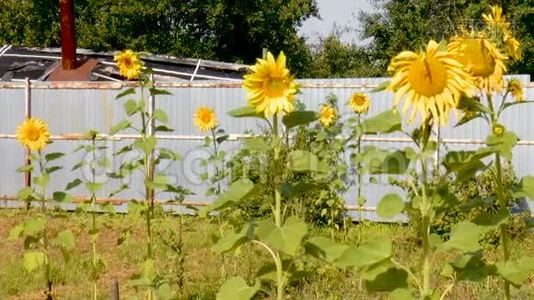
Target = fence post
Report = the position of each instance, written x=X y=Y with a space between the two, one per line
x=114 y=289
x=27 y=114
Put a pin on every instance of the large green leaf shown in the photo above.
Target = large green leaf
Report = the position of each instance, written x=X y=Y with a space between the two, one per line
x=161 y=115
x=527 y=187
x=34 y=259
x=389 y=280
x=236 y=288
x=390 y=205
x=119 y=127
x=304 y=161
x=465 y=164
x=146 y=145
x=231 y=240
x=287 y=238
x=503 y=144
x=380 y=161
x=235 y=193
x=516 y=271
x=324 y=248
x=464 y=237
x=256 y=144
x=297 y=118
x=53 y=156
x=386 y=122
x=131 y=107
x=367 y=254
x=65 y=239
x=126 y=92
x=400 y=294
x=471 y=267
x=34 y=226
x=245 y=112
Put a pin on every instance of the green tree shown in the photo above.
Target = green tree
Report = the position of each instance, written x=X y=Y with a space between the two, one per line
x=398 y=25
x=334 y=59
x=228 y=30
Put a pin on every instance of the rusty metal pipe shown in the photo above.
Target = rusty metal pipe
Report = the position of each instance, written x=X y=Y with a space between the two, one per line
x=68 y=41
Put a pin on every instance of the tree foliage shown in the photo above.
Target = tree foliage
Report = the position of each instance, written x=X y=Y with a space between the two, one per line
x=398 y=25
x=234 y=30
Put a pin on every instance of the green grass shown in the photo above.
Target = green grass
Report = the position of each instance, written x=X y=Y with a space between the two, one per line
x=204 y=268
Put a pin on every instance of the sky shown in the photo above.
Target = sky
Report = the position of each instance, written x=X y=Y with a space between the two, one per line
x=339 y=12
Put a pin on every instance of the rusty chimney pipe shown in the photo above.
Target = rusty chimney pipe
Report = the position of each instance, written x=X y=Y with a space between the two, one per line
x=68 y=42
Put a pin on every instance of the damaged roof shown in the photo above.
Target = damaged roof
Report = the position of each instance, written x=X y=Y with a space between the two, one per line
x=19 y=63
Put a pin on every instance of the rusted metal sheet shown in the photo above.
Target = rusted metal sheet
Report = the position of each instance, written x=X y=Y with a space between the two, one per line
x=83 y=72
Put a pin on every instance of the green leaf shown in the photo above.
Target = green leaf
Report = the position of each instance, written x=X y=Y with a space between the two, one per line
x=389 y=280
x=119 y=127
x=465 y=163
x=503 y=144
x=464 y=236
x=245 y=112
x=236 y=288
x=146 y=145
x=400 y=294
x=286 y=239
x=93 y=187
x=492 y=220
x=34 y=259
x=165 y=153
x=471 y=267
x=25 y=169
x=60 y=196
x=161 y=115
x=65 y=239
x=34 y=226
x=516 y=272
x=126 y=92
x=367 y=254
x=25 y=193
x=131 y=107
x=297 y=118
x=256 y=144
x=390 y=205
x=154 y=91
x=42 y=180
x=76 y=182
x=472 y=104
x=386 y=122
x=51 y=170
x=304 y=161
x=324 y=248
x=231 y=240
x=78 y=165
x=381 y=87
x=527 y=186
x=235 y=193
x=163 y=128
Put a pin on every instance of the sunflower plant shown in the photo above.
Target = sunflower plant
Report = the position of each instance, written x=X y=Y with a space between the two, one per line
x=39 y=239
x=148 y=157
x=271 y=94
x=484 y=55
x=95 y=164
x=360 y=104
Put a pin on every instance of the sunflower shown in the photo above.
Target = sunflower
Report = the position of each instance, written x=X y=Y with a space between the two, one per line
x=130 y=66
x=500 y=31
x=205 y=118
x=33 y=133
x=359 y=103
x=270 y=87
x=516 y=89
x=327 y=115
x=481 y=59
x=496 y=20
x=431 y=81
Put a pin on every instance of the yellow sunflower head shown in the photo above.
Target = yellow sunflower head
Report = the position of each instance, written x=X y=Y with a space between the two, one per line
x=327 y=115
x=359 y=103
x=33 y=133
x=270 y=87
x=512 y=47
x=516 y=89
x=129 y=64
x=481 y=59
x=496 y=20
x=205 y=118
x=430 y=81
x=498 y=129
